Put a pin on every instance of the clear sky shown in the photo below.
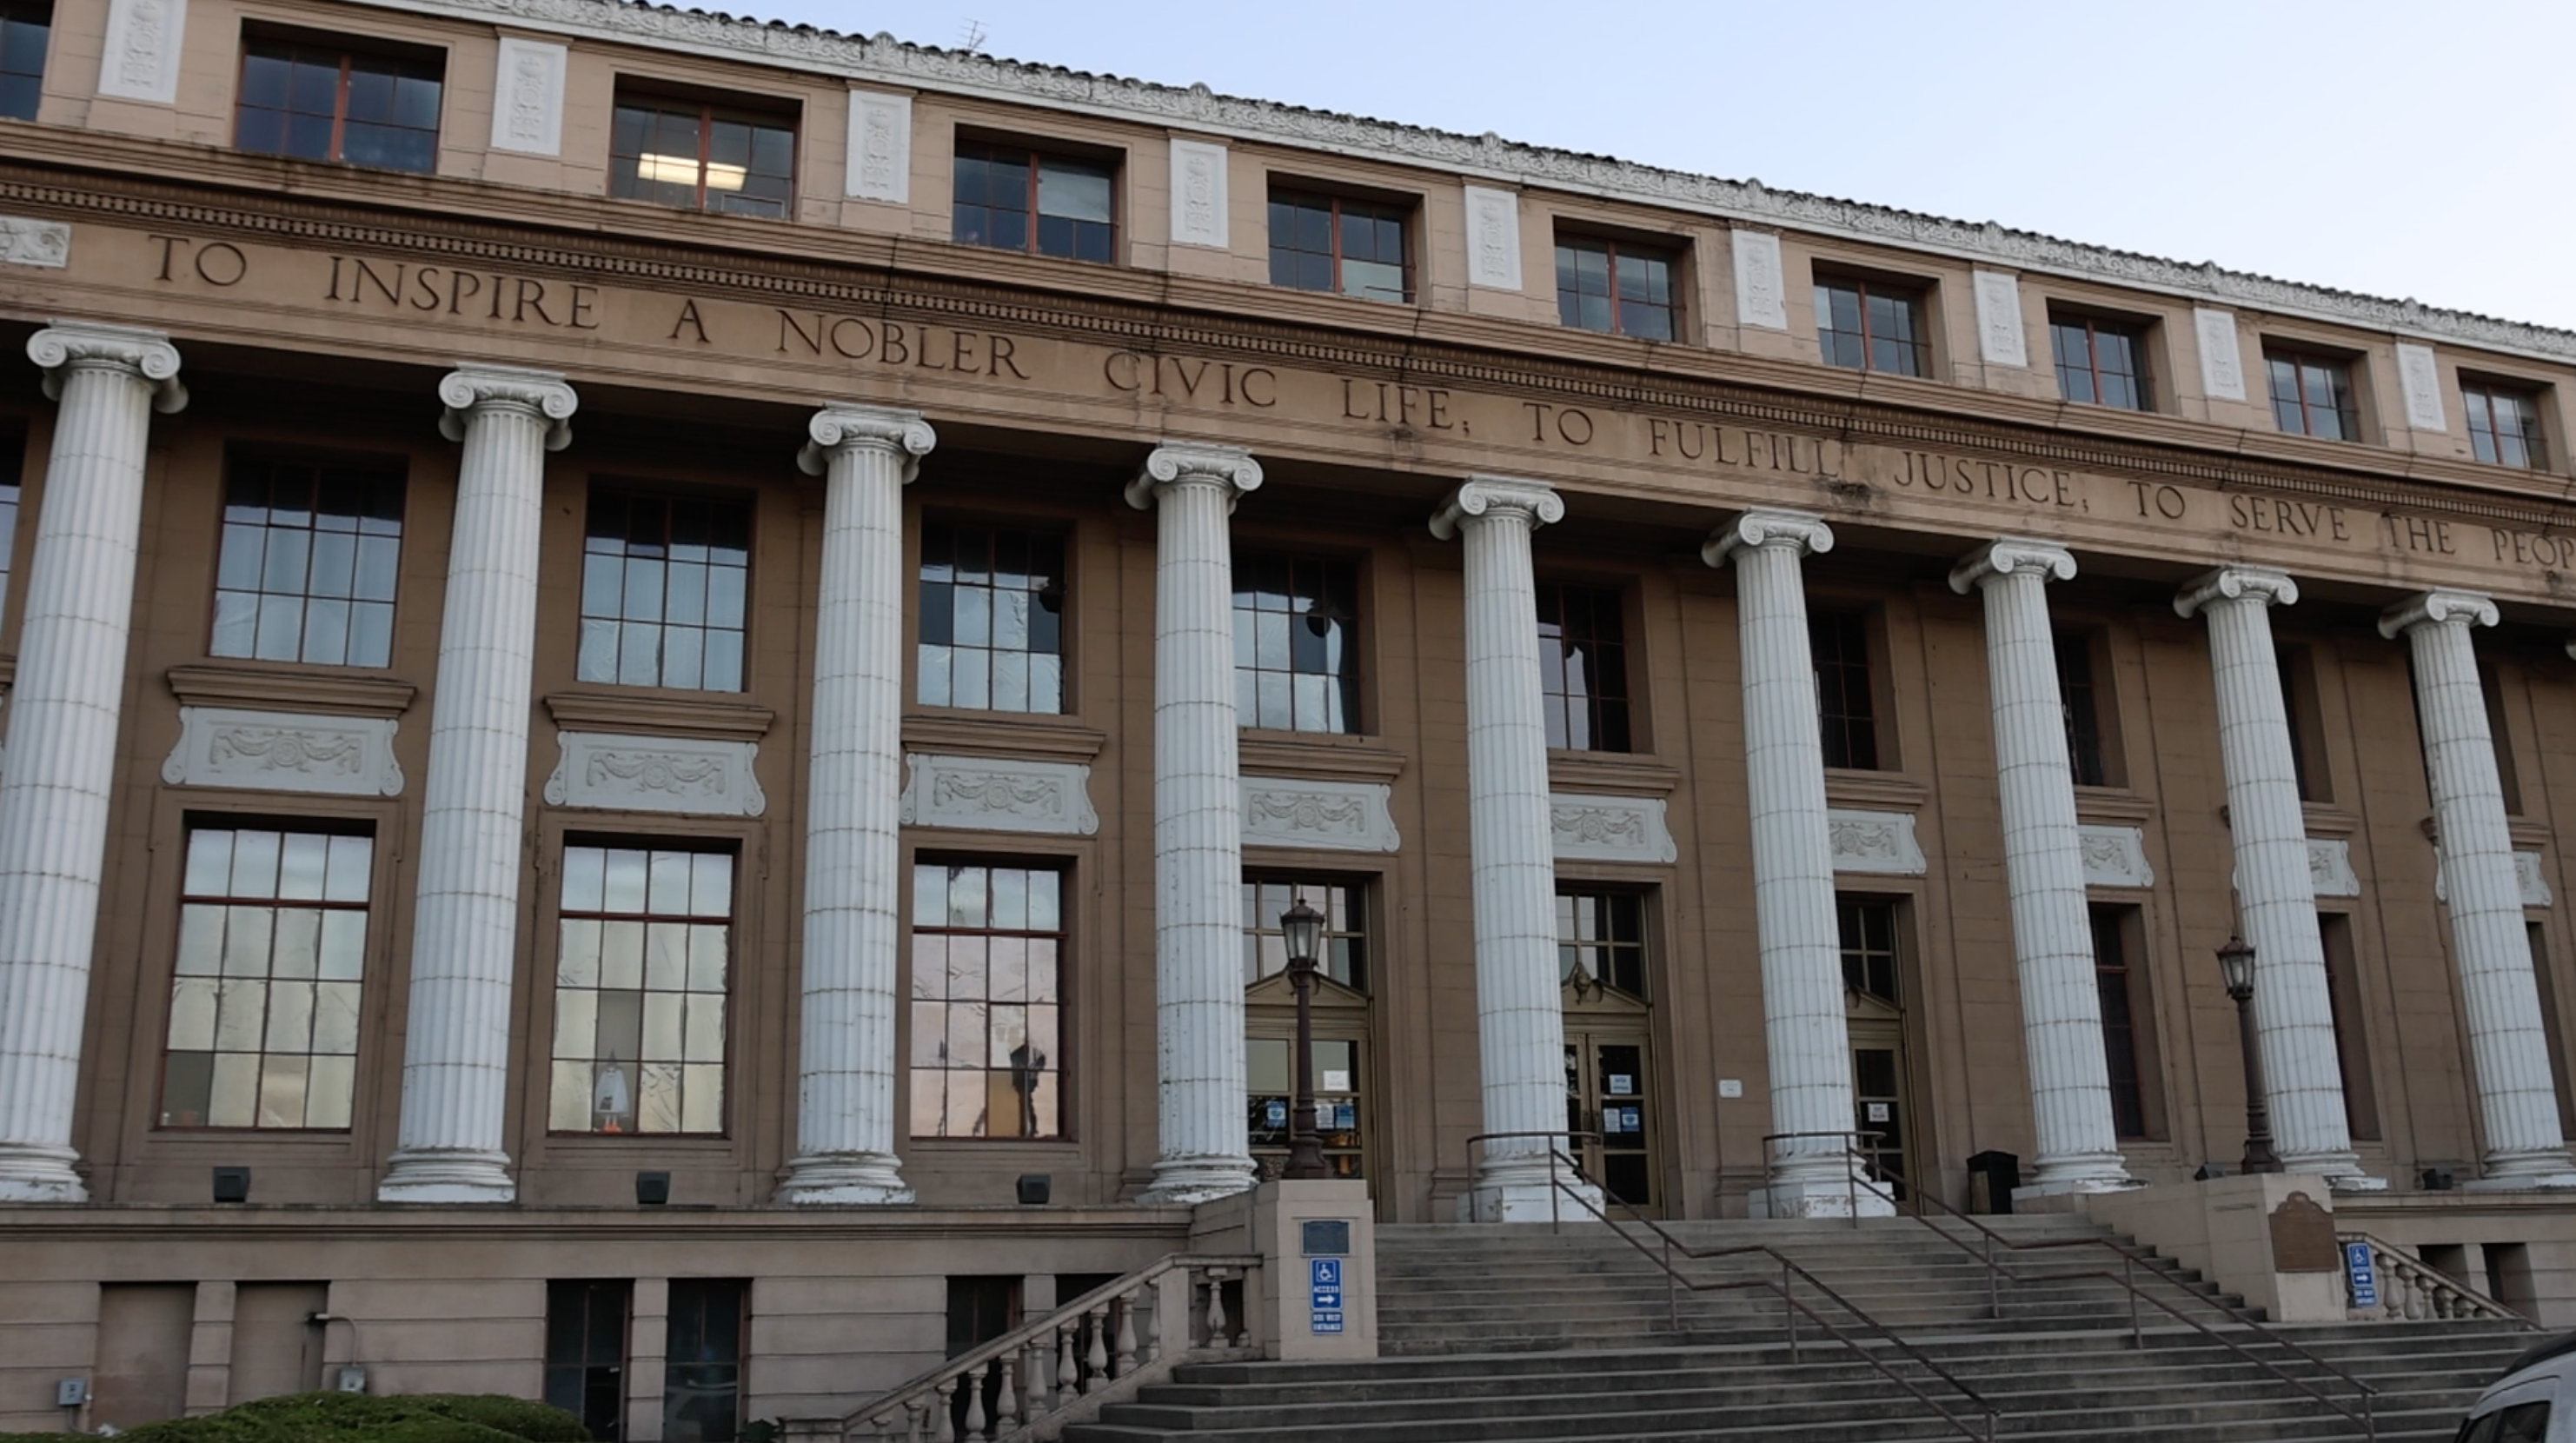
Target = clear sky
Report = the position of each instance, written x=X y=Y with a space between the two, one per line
x=2422 y=148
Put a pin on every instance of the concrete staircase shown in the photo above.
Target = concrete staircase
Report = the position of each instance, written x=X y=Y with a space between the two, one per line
x=1515 y=1333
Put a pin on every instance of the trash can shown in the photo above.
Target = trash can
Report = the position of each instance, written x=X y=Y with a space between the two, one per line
x=1992 y=1176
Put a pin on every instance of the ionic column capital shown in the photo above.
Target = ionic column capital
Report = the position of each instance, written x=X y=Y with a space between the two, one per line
x=474 y=386
x=896 y=432
x=145 y=355
x=1797 y=532
x=1481 y=496
x=2236 y=583
x=1183 y=463
x=2438 y=607
x=2011 y=555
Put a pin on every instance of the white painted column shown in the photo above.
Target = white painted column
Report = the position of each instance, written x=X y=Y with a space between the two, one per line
x=2061 y=1000
x=62 y=735
x=2275 y=895
x=465 y=926
x=2490 y=947
x=853 y=863
x=1205 y=1151
x=1520 y=1024
x=1803 y=1019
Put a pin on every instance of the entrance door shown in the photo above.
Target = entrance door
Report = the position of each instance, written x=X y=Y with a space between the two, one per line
x=1880 y=1110
x=1605 y=1092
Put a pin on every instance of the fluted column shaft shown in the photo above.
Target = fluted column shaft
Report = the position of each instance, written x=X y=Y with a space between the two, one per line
x=464 y=951
x=2061 y=1002
x=63 y=713
x=845 y=1078
x=2490 y=946
x=2275 y=893
x=1205 y=1151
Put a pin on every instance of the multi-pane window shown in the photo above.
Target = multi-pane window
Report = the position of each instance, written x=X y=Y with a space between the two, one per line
x=2312 y=395
x=2298 y=708
x=309 y=557
x=987 y=1000
x=702 y=1360
x=1296 y=643
x=2504 y=426
x=662 y=587
x=1869 y=947
x=24 y=31
x=1622 y=289
x=1602 y=936
x=1345 y=943
x=1583 y=668
x=2082 y=708
x=1840 y=642
x=322 y=104
x=586 y=1352
x=1868 y=326
x=264 y=1003
x=701 y=157
x=2113 y=979
x=2101 y=363
x=10 y=461
x=1326 y=243
x=991 y=618
x=640 y=974
x=2352 y=1037
x=1023 y=200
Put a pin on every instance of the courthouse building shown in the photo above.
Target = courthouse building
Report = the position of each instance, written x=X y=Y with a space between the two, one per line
x=603 y=598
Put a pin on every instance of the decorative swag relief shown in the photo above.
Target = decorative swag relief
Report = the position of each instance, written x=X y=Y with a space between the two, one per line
x=1333 y=816
x=2115 y=856
x=1610 y=829
x=688 y=775
x=998 y=794
x=2527 y=874
x=284 y=752
x=2330 y=872
x=1881 y=842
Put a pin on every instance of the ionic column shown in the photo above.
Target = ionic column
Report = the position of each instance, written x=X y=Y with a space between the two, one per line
x=2061 y=1001
x=63 y=728
x=845 y=1080
x=465 y=934
x=2490 y=946
x=1511 y=848
x=2275 y=896
x=1803 y=1021
x=1198 y=828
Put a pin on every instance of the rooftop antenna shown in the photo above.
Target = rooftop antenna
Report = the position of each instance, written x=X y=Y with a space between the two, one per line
x=973 y=41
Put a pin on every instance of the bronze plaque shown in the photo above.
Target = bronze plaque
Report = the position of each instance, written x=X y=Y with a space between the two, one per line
x=2303 y=1237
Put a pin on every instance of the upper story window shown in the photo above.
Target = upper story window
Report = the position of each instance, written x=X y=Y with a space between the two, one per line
x=1612 y=286
x=1296 y=643
x=2083 y=710
x=309 y=560
x=1267 y=898
x=1583 y=668
x=2312 y=395
x=641 y=977
x=1840 y=642
x=1868 y=928
x=662 y=591
x=991 y=619
x=1872 y=326
x=1602 y=935
x=701 y=157
x=315 y=102
x=24 y=31
x=9 y=492
x=2101 y=363
x=2504 y=425
x=987 y=1000
x=1327 y=243
x=1024 y=200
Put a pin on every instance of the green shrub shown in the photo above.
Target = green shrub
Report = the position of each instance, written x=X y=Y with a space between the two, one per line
x=366 y=1418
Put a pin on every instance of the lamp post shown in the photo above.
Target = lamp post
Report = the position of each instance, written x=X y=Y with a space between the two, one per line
x=2236 y=964
x=1303 y=928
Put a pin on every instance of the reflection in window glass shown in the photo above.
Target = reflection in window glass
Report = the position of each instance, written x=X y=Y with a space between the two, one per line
x=1325 y=243
x=1345 y=944
x=702 y=1360
x=2082 y=709
x=264 y=994
x=1620 y=289
x=698 y=157
x=1021 y=200
x=9 y=463
x=1869 y=948
x=1583 y=668
x=1840 y=641
x=662 y=591
x=641 y=963
x=991 y=619
x=2504 y=426
x=309 y=560
x=317 y=104
x=2112 y=976
x=1296 y=643
x=1601 y=937
x=24 y=31
x=1866 y=327
x=987 y=1001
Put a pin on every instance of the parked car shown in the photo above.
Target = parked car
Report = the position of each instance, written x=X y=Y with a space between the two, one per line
x=2533 y=1401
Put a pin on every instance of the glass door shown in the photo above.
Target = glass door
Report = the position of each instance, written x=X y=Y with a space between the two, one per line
x=1880 y=1110
x=1605 y=1093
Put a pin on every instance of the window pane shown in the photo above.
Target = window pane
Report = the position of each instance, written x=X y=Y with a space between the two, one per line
x=650 y=620
x=984 y=947
x=640 y=981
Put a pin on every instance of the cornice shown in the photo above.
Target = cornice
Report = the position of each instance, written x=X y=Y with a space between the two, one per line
x=989 y=734
x=659 y=715
x=260 y=689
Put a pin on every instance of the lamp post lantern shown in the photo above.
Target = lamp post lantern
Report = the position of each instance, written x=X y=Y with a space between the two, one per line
x=1303 y=928
x=2236 y=965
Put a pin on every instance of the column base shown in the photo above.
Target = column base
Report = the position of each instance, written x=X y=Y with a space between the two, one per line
x=32 y=1174
x=1181 y=1182
x=1823 y=1198
x=2084 y=1173
x=2073 y=1187
x=447 y=1175
x=1523 y=1202
x=844 y=1179
x=2341 y=1170
x=2548 y=1167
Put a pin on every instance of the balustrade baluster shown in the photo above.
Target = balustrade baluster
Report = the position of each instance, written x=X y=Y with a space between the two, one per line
x=1125 y=1361
x=1068 y=1375
x=1095 y=1362
x=1217 y=1335
x=914 y=1410
x=975 y=1419
x=943 y=1417
x=1006 y=1401
x=1154 y=1328
x=1037 y=1371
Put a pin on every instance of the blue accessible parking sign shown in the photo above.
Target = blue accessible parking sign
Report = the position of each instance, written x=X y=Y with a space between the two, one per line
x=1324 y=1276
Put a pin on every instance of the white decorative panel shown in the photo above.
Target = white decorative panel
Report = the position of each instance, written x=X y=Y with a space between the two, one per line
x=880 y=163
x=2421 y=380
x=284 y=752
x=998 y=794
x=1198 y=194
x=2526 y=872
x=2222 y=365
x=1761 y=297
x=1337 y=816
x=1610 y=829
x=2115 y=857
x=141 y=61
x=1493 y=239
x=691 y=775
x=527 y=97
x=28 y=242
x=1999 y=337
x=1875 y=842
x=2330 y=872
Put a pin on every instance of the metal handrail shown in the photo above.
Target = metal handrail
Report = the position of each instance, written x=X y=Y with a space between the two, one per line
x=1789 y=1271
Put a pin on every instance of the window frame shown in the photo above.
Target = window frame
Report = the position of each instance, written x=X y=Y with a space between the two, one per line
x=629 y=491
x=1351 y=682
x=1672 y=254
x=741 y=890
x=1555 y=672
x=347 y=49
x=1067 y=1060
x=1915 y=295
x=756 y=111
x=2339 y=370
x=20 y=13
x=1861 y=619
x=2480 y=392
x=2123 y=925
x=1405 y=211
x=2133 y=329
x=1038 y=153
x=388 y=470
x=1062 y=534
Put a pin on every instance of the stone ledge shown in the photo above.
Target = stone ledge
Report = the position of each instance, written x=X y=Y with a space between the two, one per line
x=1001 y=735
x=2113 y=805
x=658 y=714
x=260 y=688
x=1874 y=791
x=1610 y=773
x=1284 y=754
